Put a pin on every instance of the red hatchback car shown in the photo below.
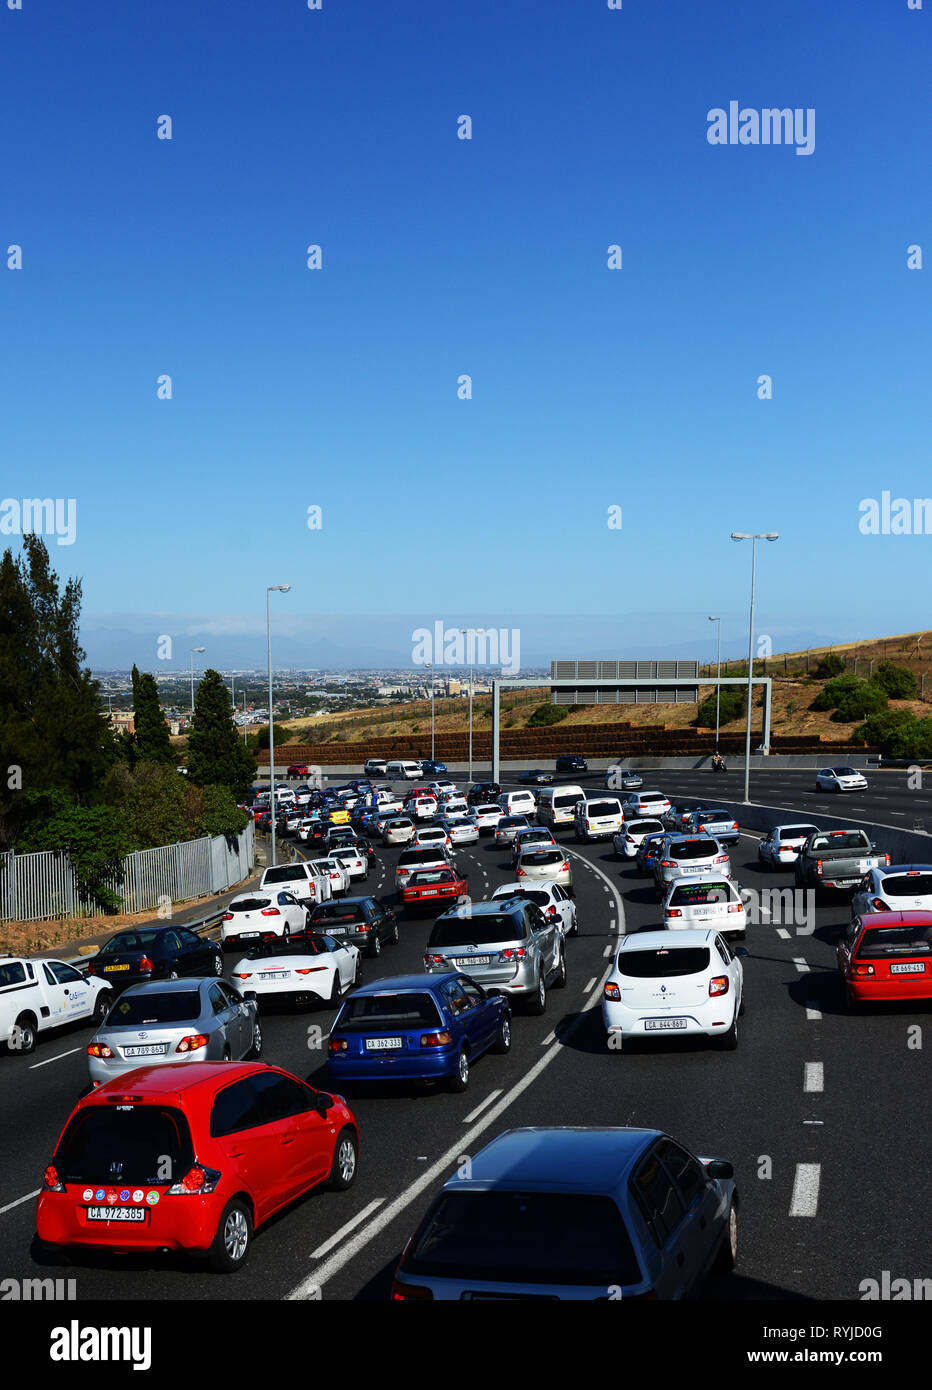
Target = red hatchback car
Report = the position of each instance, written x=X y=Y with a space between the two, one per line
x=886 y=956
x=431 y=887
x=192 y=1157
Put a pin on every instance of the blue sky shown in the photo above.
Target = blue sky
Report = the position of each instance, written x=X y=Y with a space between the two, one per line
x=591 y=388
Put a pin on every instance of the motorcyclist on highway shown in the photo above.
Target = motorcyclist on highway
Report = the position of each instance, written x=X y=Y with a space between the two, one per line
x=718 y=763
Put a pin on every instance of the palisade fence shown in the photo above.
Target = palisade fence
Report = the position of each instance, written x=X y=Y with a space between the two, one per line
x=37 y=886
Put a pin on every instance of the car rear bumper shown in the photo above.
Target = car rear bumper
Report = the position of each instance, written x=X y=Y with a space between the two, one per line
x=433 y=1064
x=618 y=1019
x=908 y=987
x=173 y=1223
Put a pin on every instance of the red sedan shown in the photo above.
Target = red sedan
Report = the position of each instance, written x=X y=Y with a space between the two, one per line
x=192 y=1157
x=298 y=770
x=886 y=956
x=427 y=887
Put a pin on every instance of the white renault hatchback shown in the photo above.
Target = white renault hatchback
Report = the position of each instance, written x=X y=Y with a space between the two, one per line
x=706 y=902
x=690 y=984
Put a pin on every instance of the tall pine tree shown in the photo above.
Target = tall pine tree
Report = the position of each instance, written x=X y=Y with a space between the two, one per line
x=216 y=755
x=151 y=738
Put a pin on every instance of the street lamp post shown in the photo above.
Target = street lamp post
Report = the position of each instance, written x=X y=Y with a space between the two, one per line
x=718 y=688
x=245 y=737
x=270 y=590
x=191 y=659
x=744 y=536
x=471 y=652
x=430 y=666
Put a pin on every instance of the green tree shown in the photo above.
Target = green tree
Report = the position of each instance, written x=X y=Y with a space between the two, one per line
x=866 y=699
x=95 y=838
x=152 y=801
x=52 y=728
x=547 y=714
x=218 y=813
x=899 y=682
x=216 y=754
x=733 y=705
x=152 y=741
x=834 y=691
x=830 y=665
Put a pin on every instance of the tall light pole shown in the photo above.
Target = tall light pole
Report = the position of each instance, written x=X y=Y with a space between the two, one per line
x=270 y=590
x=430 y=666
x=245 y=738
x=191 y=659
x=718 y=688
x=744 y=536
x=471 y=653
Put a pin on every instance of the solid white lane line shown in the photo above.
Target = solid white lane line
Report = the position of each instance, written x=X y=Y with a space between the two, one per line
x=801 y=965
x=309 y=1287
x=782 y=931
x=479 y=1108
x=589 y=985
x=813 y=1014
x=805 y=1198
x=55 y=1059
x=345 y=1230
x=814 y=1077
x=19 y=1201
x=545 y=1042
x=619 y=903
x=608 y=950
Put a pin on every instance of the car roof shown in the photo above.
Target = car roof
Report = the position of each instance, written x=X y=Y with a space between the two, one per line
x=170 y=986
x=651 y=940
x=172 y=1080
x=888 y=869
x=574 y=1158
x=896 y=919
x=406 y=984
x=482 y=909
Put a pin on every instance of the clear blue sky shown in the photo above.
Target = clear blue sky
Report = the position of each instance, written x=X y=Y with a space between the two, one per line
x=591 y=388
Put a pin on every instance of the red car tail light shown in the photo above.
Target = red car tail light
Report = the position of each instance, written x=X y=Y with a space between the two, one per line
x=192 y=1042
x=228 y=917
x=271 y=912
x=736 y=907
x=196 y=1181
x=673 y=912
x=51 y=1181
x=818 y=866
x=146 y=964
x=522 y=873
x=611 y=990
x=565 y=866
x=513 y=953
x=410 y=1293
x=308 y=969
x=337 y=1045
x=721 y=859
x=886 y=858
x=718 y=985
x=862 y=970
x=433 y=960
x=242 y=974
x=98 y=1050
x=878 y=905
x=436 y=1039
x=91 y=969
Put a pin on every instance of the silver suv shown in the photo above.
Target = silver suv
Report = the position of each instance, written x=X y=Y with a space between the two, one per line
x=507 y=946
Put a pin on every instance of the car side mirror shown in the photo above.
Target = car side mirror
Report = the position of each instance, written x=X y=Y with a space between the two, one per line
x=249 y=994
x=719 y=1168
x=323 y=1103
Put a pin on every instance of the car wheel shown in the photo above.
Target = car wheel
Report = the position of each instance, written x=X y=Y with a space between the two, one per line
x=502 y=1041
x=102 y=1006
x=742 y=1005
x=345 y=1159
x=852 y=1005
x=538 y=1004
x=727 y=1256
x=375 y=950
x=24 y=1034
x=559 y=980
x=460 y=1078
x=218 y=963
x=234 y=1236
x=335 y=988
x=255 y=1052
x=395 y=937
x=729 y=1041
x=357 y=978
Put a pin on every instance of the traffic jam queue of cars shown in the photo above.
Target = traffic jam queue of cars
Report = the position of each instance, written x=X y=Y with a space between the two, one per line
x=174 y=1064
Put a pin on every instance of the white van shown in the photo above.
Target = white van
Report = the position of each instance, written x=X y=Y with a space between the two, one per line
x=598 y=818
x=556 y=805
x=518 y=804
x=40 y=994
x=403 y=771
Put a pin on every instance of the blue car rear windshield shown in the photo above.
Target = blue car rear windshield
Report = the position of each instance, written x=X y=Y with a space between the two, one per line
x=525 y=1238
x=376 y=1012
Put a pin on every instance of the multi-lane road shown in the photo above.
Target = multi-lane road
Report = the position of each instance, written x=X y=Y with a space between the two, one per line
x=818 y=1110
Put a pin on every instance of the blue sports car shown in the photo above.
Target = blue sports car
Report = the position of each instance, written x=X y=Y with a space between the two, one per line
x=417 y=1028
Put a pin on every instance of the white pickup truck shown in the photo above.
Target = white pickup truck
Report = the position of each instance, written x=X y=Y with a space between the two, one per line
x=39 y=994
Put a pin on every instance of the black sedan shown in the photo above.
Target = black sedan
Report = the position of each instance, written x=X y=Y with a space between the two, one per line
x=572 y=762
x=368 y=923
x=481 y=792
x=536 y=777
x=136 y=956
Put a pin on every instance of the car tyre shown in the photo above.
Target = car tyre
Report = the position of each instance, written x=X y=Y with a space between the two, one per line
x=375 y=949
x=345 y=1161
x=102 y=1007
x=729 y=1041
x=26 y=1035
x=255 y=1052
x=357 y=978
x=218 y=963
x=460 y=1078
x=538 y=1004
x=502 y=1041
x=727 y=1256
x=559 y=979
x=231 y=1243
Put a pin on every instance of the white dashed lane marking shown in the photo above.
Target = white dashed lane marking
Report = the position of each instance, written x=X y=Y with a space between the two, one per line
x=813 y=1077
x=813 y=1014
x=801 y=965
x=805 y=1198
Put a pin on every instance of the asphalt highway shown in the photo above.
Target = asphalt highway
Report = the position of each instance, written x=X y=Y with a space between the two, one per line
x=820 y=1112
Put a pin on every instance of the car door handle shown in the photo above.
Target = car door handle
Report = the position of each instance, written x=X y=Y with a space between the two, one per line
x=237 y=1153
x=288 y=1139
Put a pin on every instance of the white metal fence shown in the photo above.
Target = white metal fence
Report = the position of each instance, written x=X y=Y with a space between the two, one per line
x=37 y=886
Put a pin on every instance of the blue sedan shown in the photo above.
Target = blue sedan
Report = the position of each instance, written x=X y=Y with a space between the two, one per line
x=433 y=767
x=417 y=1028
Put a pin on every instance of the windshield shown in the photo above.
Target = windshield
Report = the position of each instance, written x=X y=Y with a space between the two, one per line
x=130 y=941
x=909 y=939
x=174 y=1006
x=663 y=963
x=290 y=946
x=381 y=1011
x=840 y=839
x=693 y=849
x=476 y=930
x=603 y=808
x=121 y=1145
x=702 y=894
x=907 y=885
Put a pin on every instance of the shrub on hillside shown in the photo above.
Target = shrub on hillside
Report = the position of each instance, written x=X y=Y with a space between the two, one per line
x=547 y=714
x=830 y=665
x=834 y=691
x=733 y=704
x=856 y=704
x=897 y=733
x=899 y=682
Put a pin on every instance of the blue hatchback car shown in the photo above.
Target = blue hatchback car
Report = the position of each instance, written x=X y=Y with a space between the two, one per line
x=430 y=765
x=417 y=1028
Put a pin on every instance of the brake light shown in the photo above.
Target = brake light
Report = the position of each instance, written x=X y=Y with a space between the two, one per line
x=436 y=1039
x=718 y=985
x=146 y=964
x=242 y=974
x=565 y=867
x=667 y=863
x=551 y=911
x=818 y=866
x=99 y=1050
x=337 y=1045
x=408 y=1293
x=612 y=991
x=196 y=1181
x=878 y=904
x=721 y=859
x=91 y=969
x=735 y=907
x=228 y=917
x=192 y=1042
x=51 y=1181
x=522 y=873
x=433 y=960
x=513 y=953
x=886 y=858
x=862 y=970
x=673 y=912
